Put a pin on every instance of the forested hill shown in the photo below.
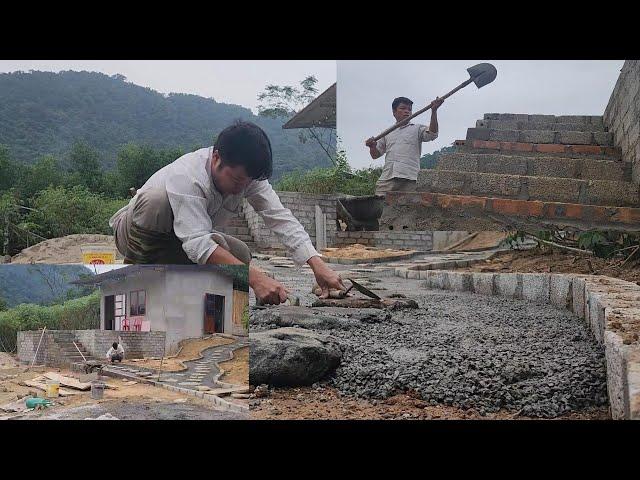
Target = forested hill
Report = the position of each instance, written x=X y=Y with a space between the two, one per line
x=47 y=113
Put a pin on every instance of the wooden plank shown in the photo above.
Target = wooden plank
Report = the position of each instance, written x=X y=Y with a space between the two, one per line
x=68 y=381
x=41 y=386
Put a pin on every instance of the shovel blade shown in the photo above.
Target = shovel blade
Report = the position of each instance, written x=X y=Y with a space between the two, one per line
x=482 y=74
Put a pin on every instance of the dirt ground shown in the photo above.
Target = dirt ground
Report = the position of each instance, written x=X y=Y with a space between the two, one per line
x=236 y=370
x=326 y=404
x=141 y=394
x=481 y=240
x=357 y=250
x=536 y=261
x=191 y=350
x=63 y=249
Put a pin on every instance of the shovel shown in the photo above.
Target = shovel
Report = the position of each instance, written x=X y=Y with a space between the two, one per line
x=481 y=74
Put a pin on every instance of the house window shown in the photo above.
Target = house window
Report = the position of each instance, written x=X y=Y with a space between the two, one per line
x=137 y=301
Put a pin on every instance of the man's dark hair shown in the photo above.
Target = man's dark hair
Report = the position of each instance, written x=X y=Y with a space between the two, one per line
x=115 y=345
x=246 y=144
x=400 y=100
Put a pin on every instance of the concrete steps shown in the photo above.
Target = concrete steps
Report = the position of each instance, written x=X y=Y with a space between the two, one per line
x=422 y=210
x=541 y=166
x=550 y=189
x=561 y=137
x=520 y=125
x=537 y=149
x=595 y=120
x=239 y=228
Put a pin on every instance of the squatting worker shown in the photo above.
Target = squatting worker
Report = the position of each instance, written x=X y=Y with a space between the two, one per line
x=403 y=148
x=115 y=353
x=175 y=216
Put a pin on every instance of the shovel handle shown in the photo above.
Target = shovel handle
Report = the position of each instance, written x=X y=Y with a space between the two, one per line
x=421 y=111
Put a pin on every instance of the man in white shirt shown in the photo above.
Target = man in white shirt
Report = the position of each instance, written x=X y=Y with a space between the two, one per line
x=403 y=148
x=174 y=216
x=115 y=353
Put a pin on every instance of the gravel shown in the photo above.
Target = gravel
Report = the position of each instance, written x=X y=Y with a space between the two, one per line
x=467 y=351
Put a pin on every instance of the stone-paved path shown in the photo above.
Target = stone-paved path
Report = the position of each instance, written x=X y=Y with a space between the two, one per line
x=200 y=374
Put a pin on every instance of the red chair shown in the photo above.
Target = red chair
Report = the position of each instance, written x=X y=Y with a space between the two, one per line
x=137 y=324
x=125 y=325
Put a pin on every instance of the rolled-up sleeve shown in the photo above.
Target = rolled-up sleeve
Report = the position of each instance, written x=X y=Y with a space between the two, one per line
x=381 y=145
x=426 y=135
x=280 y=220
x=191 y=221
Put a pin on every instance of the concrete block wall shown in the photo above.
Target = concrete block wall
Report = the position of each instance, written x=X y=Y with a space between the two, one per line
x=303 y=207
x=422 y=241
x=96 y=342
x=610 y=307
x=135 y=344
x=622 y=115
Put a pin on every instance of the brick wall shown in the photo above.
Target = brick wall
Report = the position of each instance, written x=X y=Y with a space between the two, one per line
x=303 y=207
x=96 y=342
x=411 y=240
x=622 y=115
x=135 y=344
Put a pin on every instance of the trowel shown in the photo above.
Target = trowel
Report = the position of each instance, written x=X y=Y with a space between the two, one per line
x=481 y=74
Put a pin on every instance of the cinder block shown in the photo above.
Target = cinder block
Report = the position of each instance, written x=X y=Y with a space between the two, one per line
x=536 y=136
x=503 y=135
x=483 y=283
x=617 y=384
x=508 y=285
x=575 y=138
x=460 y=281
x=535 y=287
x=596 y=315
x=560 y=291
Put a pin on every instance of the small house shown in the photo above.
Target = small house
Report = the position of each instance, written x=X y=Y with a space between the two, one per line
x=185 y=301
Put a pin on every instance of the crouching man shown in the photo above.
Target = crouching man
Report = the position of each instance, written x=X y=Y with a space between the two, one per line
x=176 y=215
x=115 y=353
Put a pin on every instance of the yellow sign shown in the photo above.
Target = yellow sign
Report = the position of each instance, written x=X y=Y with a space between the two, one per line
x=98 y=258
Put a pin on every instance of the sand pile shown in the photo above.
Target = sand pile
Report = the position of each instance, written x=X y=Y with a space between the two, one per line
x=63 y=249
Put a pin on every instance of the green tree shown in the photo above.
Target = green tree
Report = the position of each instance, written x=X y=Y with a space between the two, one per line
x=3 y=304
x=65 y=211
x=84 y=167
x=283 y=102
x=136 y=163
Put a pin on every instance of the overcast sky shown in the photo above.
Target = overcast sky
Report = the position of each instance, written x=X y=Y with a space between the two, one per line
x=228 y=81
x=367 y=88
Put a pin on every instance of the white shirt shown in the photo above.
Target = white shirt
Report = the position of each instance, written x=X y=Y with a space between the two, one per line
x=403 y=148
x=198 y=208
x=111 y=351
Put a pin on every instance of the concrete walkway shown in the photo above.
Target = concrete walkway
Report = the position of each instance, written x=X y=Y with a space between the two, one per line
x=201 y=374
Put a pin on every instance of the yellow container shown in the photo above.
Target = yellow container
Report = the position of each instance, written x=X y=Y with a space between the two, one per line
x=53 y=389
x=98 y=255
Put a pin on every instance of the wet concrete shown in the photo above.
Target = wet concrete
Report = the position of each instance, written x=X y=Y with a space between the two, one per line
x=458 y=349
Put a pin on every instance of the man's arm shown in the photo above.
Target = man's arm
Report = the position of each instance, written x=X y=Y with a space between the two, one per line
x=433 y=125
x=376 y=149
x=291 y=233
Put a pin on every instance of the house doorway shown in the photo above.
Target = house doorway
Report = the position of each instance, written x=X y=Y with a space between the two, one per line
x=109 y=311
x=213 y=313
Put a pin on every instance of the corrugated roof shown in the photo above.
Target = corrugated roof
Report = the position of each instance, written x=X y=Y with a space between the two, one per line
x=319 y=113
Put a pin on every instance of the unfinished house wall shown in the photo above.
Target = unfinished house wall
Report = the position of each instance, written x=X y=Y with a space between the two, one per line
x=135 y=344
x=303 y=207
x=153 y=283
x=422 y=241
x=622 y=115
x=184 y=315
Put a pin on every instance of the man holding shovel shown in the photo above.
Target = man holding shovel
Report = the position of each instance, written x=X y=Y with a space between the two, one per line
x=403 y=147
x=175 y=216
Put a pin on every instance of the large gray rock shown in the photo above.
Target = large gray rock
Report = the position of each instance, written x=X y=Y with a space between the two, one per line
x=291 y=357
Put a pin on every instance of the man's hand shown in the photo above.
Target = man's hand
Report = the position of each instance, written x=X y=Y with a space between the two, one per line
x=436 y=103
x=267 y=290
x=326 y=278
x=370 y=142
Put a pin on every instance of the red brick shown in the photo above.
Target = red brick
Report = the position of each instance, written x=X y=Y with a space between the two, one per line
x=612 y=151
x=587 y=149
x=517 y=146
x=549 y=148
x=449 y=201
x=516 y=207
x=628 y=216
